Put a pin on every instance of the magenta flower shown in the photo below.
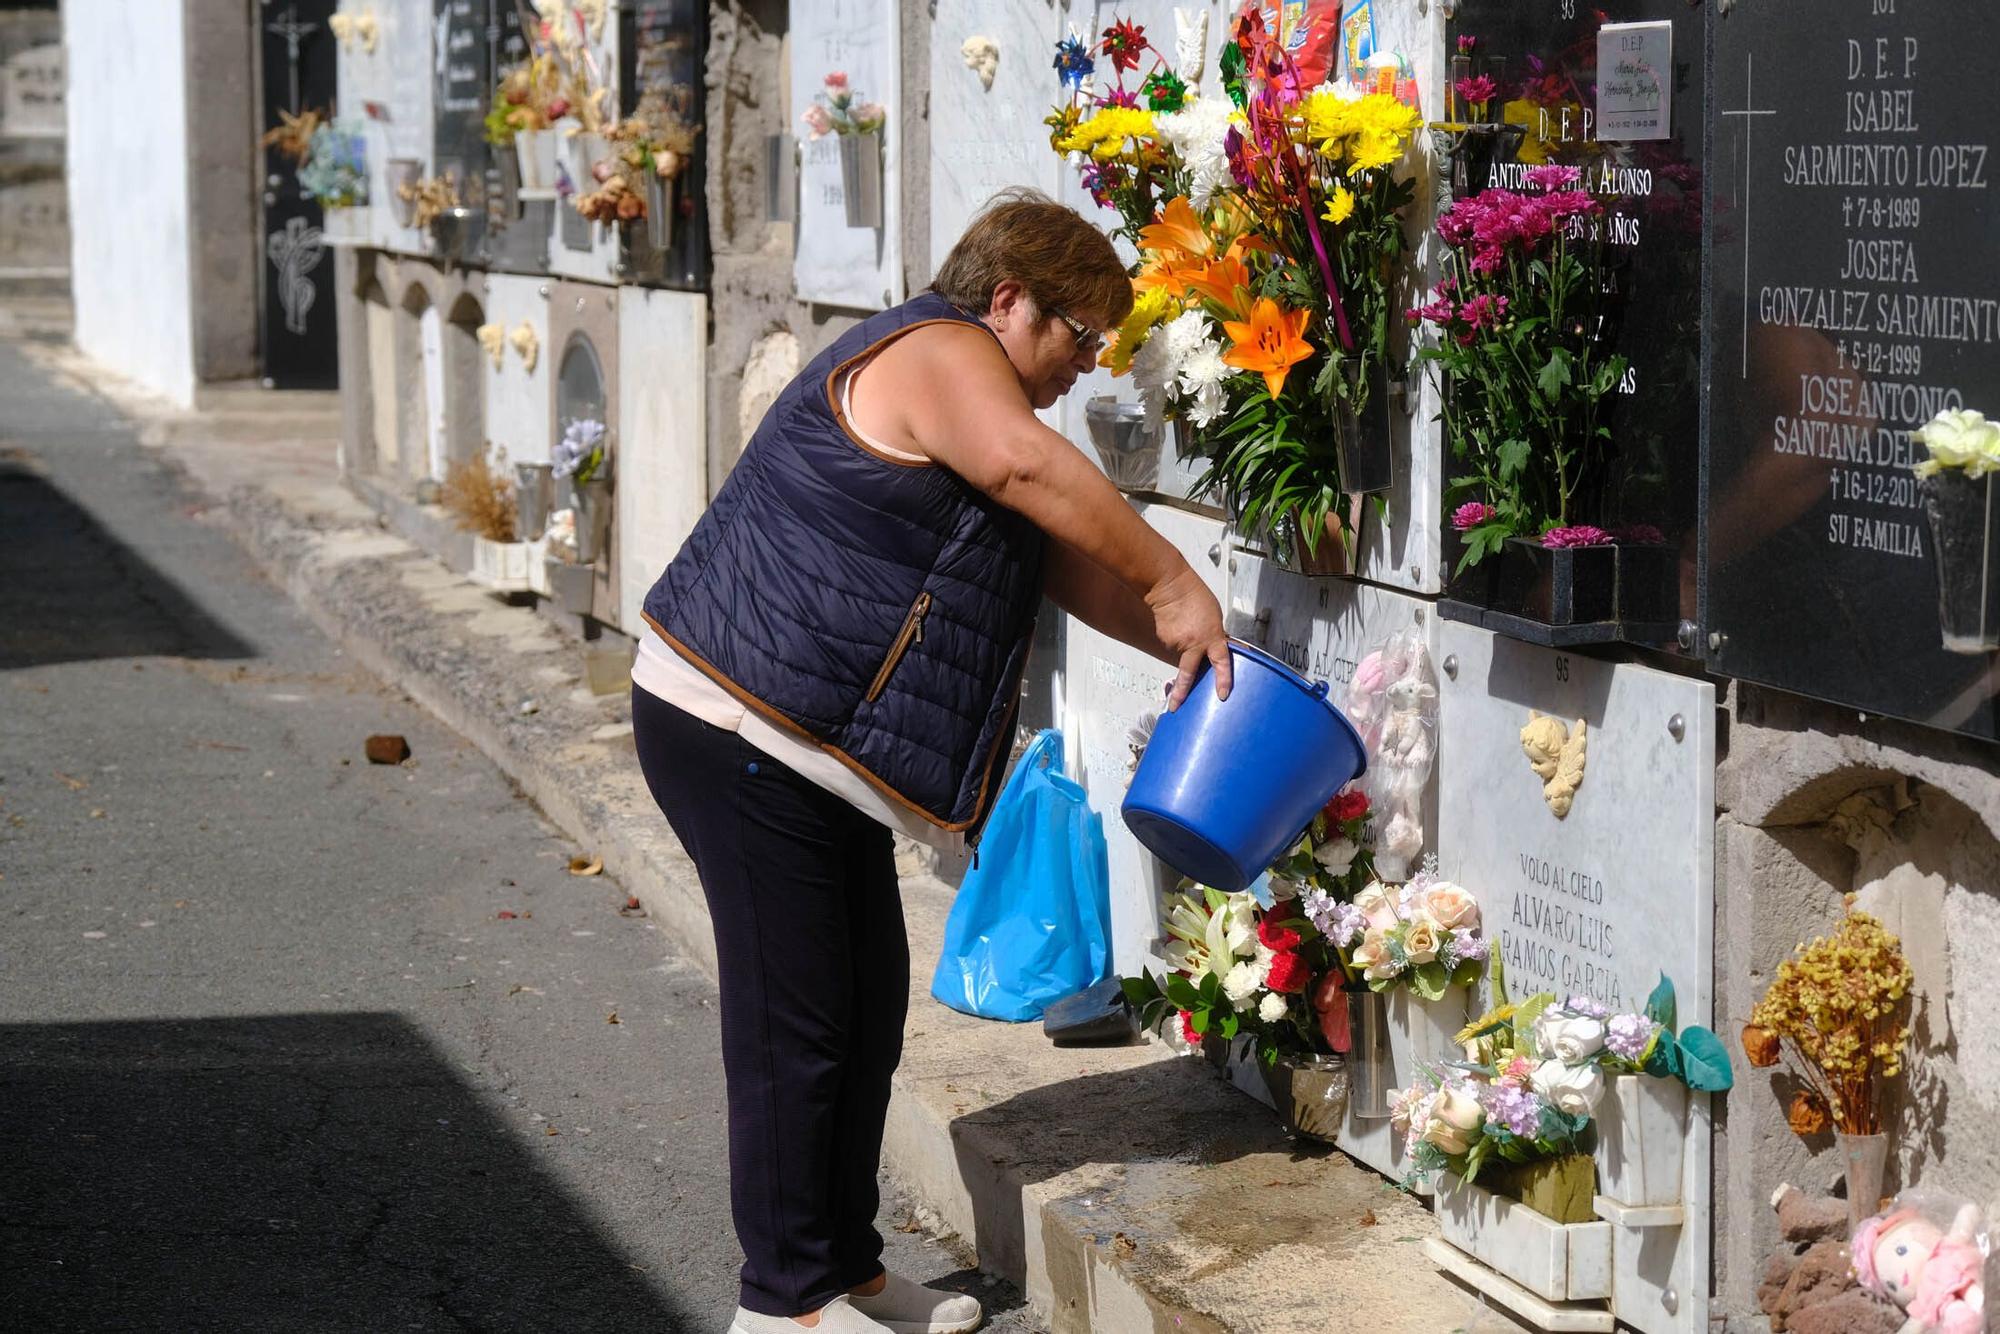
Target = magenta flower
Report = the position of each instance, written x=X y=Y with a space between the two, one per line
x=1484 y=311
x=1576 y=535
x=1119 y=97
x=1466 y=45
x=1478 y=90
x=1553 y=177
x=1471 y=514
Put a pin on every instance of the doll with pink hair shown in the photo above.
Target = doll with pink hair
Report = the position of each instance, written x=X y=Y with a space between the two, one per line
x=1931 y=1274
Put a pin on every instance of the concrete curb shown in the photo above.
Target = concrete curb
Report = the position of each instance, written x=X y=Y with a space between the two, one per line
x=1123 y=1189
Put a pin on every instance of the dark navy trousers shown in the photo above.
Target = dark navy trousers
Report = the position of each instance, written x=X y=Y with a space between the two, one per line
x=815 y=978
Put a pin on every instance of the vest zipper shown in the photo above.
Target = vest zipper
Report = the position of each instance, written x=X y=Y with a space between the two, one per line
x=911 y=633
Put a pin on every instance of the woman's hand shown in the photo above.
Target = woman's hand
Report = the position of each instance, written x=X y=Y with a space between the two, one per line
x=1188 y=621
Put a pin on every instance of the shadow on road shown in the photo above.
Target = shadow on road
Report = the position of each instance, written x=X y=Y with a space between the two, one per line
x=299 y=1172
x=73 y=592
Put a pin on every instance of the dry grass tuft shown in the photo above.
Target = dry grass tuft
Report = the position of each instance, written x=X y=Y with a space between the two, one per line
x=480 y=499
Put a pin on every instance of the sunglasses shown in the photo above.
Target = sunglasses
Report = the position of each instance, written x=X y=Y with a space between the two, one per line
x=1088 y=340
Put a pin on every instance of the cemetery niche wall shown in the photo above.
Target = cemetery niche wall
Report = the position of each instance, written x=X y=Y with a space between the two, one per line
x=1856 y=293
x=1557 y=86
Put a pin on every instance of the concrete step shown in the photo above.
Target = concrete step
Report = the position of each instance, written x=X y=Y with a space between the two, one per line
x=1125 y=1189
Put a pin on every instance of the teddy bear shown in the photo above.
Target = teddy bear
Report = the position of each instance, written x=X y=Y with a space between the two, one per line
x=1930 y=1273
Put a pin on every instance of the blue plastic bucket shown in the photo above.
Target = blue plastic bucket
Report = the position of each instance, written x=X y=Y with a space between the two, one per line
x=1227 y=786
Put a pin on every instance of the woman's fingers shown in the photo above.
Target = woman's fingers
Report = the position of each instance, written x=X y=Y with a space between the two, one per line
x=1191 y=663
x=1225 y=670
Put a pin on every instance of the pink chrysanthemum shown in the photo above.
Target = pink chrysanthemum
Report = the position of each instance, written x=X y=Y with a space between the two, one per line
x=1471 y=514
x=1576 y=535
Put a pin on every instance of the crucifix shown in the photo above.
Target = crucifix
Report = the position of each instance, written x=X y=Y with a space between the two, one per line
x=293 y=31
x=1749 y=112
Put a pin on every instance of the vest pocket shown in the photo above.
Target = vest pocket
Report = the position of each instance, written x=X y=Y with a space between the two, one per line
x=911 y=633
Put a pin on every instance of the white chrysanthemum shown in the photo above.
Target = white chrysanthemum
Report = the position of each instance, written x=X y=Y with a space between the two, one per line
x=1199 y=132
x=1203 y=373
x=1272 y=1008
x=1242 y=983
x=1157 y=366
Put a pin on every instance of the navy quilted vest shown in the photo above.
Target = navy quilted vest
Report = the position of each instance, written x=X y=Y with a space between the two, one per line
x=882 y=609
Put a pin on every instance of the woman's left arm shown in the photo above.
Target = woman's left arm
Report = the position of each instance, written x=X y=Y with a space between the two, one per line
x=1092 y=594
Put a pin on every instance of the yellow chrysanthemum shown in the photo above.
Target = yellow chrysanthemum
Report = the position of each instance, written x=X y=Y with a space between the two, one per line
x=1341 y=207
x=1363 y=133
x=1150 y=308
x=1103 y=136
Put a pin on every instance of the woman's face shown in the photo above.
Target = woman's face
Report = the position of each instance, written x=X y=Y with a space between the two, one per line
x=1042 y=345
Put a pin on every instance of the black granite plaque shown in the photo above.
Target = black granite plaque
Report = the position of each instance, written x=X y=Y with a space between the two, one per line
x=1856 y=291
x=1541 y=61
x=664 y=47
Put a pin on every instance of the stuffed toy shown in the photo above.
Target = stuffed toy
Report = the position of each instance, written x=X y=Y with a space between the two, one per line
x=1931 y=1274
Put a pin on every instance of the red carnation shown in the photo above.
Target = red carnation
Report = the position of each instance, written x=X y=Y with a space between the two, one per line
x=1187 y=1029
x=1288 y=973
x=1276 y=937
x=1347 y=806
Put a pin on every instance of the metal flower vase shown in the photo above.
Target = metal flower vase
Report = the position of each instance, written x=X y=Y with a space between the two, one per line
x=1865 y=1160
x=1371 y=1065
x=452 y=232
x=404 y=174
x=1310 y=1093
x=1127 y=447
x=1964 y=519
x=591 y=502
x=534 y=497
x=661 y=201
x=861 y=178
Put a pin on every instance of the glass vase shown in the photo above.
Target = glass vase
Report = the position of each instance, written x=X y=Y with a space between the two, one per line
x=1310 y=1093
x=1965 y=548
x=1371 y=1073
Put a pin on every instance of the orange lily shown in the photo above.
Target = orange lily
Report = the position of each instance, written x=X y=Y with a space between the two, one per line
x=1224 y=281
x=1270 y=342
x=1174 y=272
x=1178 y=233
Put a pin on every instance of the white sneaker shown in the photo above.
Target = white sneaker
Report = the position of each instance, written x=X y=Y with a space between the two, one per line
x=836 y=1317
x=903 y=1307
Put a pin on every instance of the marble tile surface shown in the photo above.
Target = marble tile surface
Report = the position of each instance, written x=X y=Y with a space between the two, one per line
x=662 y=452
x=517 y=399
x=985 y=139
x=857 y=268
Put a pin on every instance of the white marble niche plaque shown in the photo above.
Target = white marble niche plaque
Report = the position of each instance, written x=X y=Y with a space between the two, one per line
x=1604 y=900
x=983 y=139
x=859 y=268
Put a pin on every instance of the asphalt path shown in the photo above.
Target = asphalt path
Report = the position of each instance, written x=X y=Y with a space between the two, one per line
x=290 y=1040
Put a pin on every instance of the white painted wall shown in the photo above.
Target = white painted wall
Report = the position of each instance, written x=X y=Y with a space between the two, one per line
x=517 y=399
x=128 y=191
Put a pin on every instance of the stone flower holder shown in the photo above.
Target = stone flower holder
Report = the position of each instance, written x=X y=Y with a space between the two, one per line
x=1559 y=1262
x=861 y=178
x=535 y=153
x=1641 y=1140
x=502 y=566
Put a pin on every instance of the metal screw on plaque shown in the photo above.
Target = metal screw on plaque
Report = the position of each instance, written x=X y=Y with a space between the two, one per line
x=1451 y=665
x=1671 y=1299
x=619 y=268
x=542 y=290
x=579 y=305
x=1717 y=641
x=1685 y=635
x=1677 y=727
x=1215 y=555
x=1416 y=574
x=1232 y=565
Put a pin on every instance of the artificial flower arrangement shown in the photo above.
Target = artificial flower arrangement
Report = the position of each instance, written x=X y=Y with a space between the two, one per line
x=293 y=135
x=1534 y=1074
x=654 y=142
x=1241 y=963
x=1958 y=440
x=581 y=455
x=837 y=109
x=533 y=95
x=335 y=170
x=1423 y=935
x=1838 y=1014
x=1268 y=227
x=429 y=198
x=1516 y=326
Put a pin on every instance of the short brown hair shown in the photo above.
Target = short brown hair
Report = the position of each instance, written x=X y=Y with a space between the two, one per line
x=1064 y=263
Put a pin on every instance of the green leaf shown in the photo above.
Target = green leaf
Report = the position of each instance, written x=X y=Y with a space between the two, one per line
x=1429 y=980
x=1231 y=1025
x=1513 y=456
x=1198 y=1021
x=1554 y=375
x=1211 y=988
x=1660 y=1005
x=1705 y=1061
x=1139 y=990
x=1182 y=993
x=1663 y=1058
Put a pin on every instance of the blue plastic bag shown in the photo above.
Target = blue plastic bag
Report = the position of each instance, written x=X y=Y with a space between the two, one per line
x=1031 y=923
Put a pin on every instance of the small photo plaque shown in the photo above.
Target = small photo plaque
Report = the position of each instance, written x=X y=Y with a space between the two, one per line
x=1635 y=81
